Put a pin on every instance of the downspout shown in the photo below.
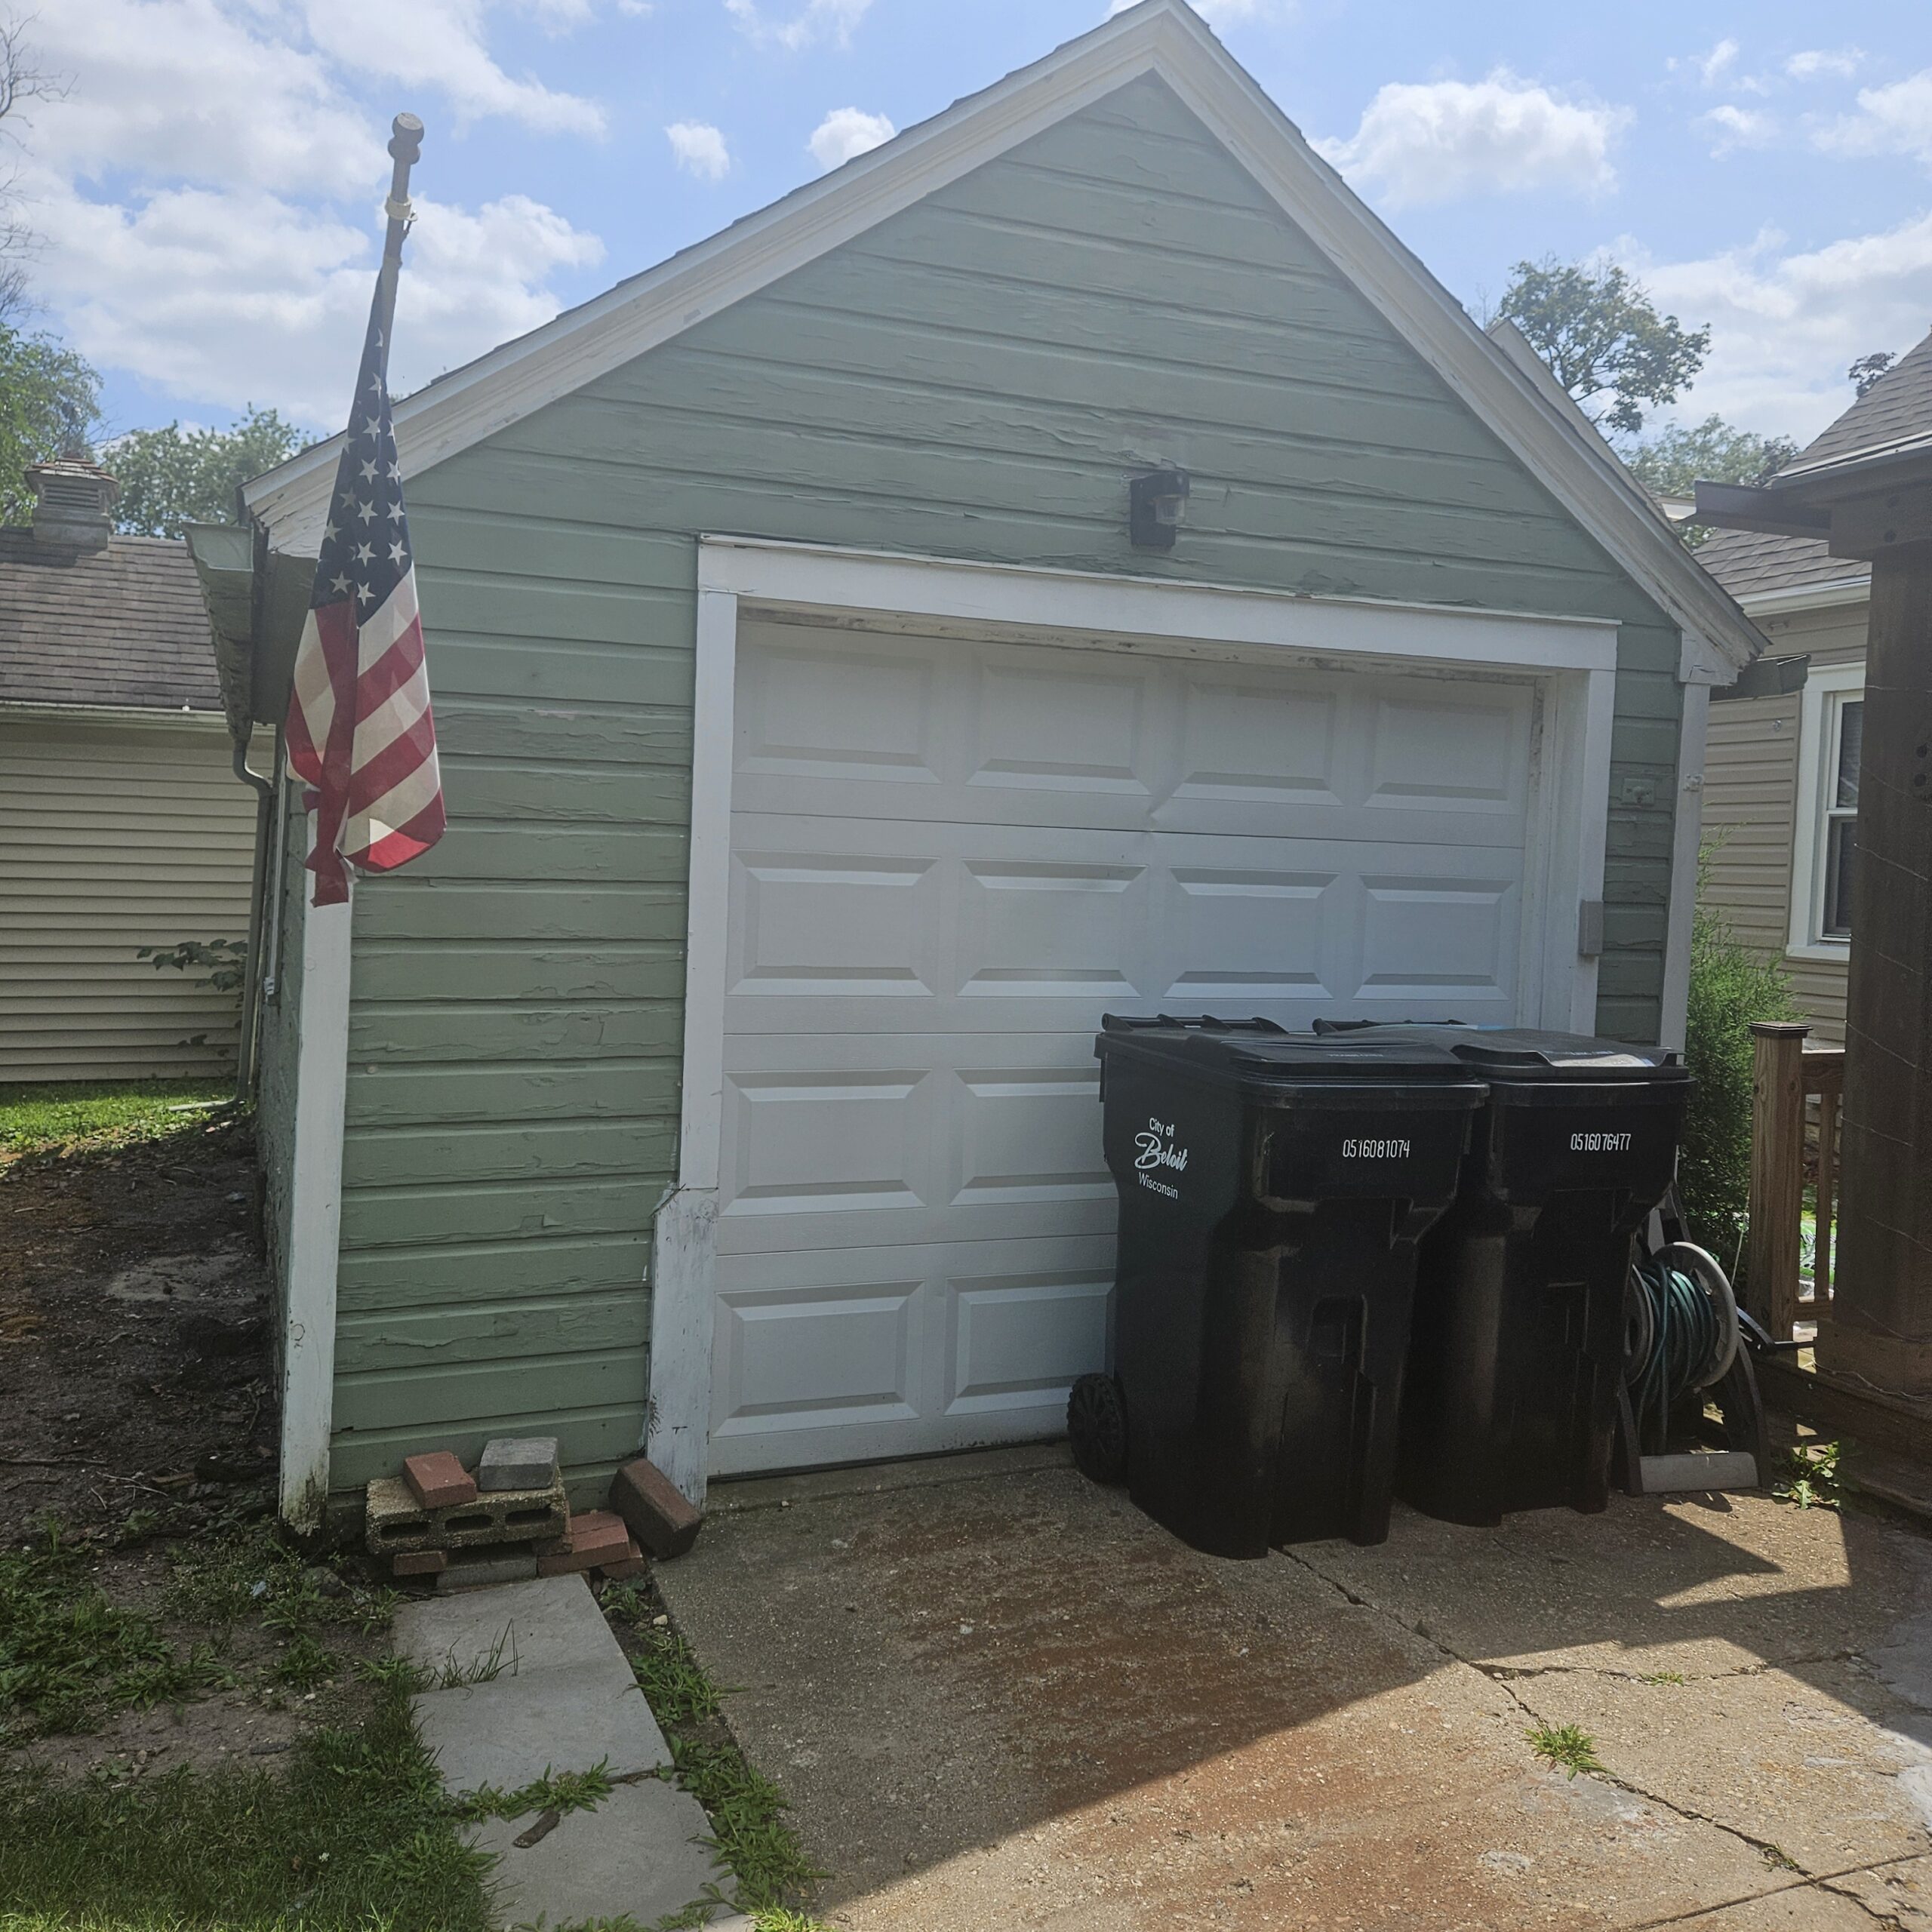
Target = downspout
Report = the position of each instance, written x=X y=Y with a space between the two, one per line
x=244 y=1052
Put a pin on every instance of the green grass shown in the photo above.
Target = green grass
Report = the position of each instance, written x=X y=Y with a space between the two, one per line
x=356 y=1835
x=68 y=1656
x=1566 y=1747
x=750 y=1828
x=64 y=1116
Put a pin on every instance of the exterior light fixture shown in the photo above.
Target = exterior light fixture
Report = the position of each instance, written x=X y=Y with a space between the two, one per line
x=1156 y=503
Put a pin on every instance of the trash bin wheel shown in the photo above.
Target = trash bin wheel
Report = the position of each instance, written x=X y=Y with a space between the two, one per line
x=1097 y=1422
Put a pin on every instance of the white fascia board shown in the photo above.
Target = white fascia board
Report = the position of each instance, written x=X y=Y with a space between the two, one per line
x=1847 y=592
x=1161 y=37
x=1100 y=604
x=121 y=716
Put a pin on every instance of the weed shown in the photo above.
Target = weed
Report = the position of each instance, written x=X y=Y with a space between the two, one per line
x=673 y=1682
x=1811 y=1480
x=1665 y=1677
x=67 y=1655
x=484 y=1668
x=1566 y=1747
x=1779 y=1859
x=305 y=1665
x=554 y=1790
x=391 y=1673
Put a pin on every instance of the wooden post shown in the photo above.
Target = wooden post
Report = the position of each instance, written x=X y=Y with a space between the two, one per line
x=1777 y=1174
x=1828 y=1098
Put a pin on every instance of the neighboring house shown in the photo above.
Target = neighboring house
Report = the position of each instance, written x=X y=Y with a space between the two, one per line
x=1781 y=775
x=121 y=825
x=824 y=756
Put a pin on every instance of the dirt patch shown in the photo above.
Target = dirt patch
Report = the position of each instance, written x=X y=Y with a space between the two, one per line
x=134 y=1337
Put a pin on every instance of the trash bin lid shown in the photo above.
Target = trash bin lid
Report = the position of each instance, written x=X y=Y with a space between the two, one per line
x=1259 y=1054
x=1525 y=1053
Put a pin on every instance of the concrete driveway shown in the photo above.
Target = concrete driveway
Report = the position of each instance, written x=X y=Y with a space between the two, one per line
x=998 y=1697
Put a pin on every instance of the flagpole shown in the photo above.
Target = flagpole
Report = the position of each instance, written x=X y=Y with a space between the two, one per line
x=405 y=146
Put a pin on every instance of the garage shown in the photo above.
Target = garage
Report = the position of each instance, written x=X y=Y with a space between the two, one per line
x=951 y=850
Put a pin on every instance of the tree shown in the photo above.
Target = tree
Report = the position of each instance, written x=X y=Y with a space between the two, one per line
x=172 y=477
x=1671 y=462
x=22 y=80
x=1868 y=369
x=1603 y=339
x=49 y=400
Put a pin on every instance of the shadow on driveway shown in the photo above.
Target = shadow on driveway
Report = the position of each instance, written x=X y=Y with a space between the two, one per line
x=999 y=1696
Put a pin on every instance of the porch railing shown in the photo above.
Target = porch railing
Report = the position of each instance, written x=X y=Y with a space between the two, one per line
x=1797 y=1094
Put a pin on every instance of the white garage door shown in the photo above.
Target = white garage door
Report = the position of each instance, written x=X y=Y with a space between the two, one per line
x=949 y=858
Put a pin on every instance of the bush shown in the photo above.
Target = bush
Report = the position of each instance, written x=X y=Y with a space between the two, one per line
x=1730 y=987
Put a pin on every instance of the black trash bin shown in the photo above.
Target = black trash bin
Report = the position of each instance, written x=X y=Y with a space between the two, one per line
x=1517 y=1344
x=1272 y=1187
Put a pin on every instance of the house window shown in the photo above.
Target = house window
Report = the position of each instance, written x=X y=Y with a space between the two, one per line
x=1825 y=855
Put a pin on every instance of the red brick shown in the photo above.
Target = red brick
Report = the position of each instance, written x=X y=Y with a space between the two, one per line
x=632 y=1564
x=596 y=1537
x=650 y=1502
x=419 y=1562
x=438 y=1480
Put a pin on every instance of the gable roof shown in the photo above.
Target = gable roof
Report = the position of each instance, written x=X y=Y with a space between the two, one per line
x=1893 y=416
x=120 y=628
x=1165 y=38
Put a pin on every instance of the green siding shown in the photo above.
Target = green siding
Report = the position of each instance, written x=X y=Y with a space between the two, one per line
x=975 y=378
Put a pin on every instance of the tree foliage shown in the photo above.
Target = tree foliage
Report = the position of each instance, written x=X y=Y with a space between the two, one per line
x=1603 y=339
x=49 y=399
x=172 y=477
x=1672 y=461
x=1868 y=369
x=23 y=80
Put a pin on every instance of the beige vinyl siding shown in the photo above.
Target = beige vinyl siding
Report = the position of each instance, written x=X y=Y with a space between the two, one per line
x=112 y=838
x=1751 y=809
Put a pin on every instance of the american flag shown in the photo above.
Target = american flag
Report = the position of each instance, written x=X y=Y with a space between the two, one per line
x=359 y=732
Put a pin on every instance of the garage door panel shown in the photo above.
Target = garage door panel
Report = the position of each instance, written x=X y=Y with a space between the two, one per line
x=839 y=1356
x=944 y=870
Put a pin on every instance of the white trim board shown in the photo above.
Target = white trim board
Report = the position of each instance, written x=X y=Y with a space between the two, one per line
x=1165 y=38
x=1574 y=664
x=315 y=1210
x=1825 y=682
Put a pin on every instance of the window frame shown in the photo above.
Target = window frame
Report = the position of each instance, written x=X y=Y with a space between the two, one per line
x=1828 y=690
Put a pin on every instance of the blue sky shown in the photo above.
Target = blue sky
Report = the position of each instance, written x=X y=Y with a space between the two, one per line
x=206 y=192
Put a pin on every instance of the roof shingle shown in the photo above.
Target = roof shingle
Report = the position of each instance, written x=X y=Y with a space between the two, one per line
x=121 y=627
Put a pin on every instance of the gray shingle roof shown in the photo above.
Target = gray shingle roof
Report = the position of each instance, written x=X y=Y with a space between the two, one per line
x=1745 y=560
x=122 y=627
x=1897 y=408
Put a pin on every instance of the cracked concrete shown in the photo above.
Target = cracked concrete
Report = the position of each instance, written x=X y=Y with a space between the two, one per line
x=997 y=1696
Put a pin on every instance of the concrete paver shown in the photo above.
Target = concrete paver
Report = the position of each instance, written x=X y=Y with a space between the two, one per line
x=997 y=1696
x=554 y=1693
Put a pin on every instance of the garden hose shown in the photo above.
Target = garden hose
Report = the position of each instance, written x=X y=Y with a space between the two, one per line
x=1683 y=1334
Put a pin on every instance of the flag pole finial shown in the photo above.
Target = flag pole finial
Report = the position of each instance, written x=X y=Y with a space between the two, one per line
x=406 y=149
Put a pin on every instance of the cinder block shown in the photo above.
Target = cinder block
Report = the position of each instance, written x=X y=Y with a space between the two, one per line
x=438 y=1481
x=395 y=1520
x=657 y=1513
x=471 y=1570
x=518 y=1463
x=419 y=1562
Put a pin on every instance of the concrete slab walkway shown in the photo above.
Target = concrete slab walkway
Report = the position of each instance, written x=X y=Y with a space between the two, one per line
x=997 y=1696
x=531 y=1682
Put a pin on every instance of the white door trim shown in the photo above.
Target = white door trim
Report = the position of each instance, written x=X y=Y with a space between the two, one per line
x=1573 y=658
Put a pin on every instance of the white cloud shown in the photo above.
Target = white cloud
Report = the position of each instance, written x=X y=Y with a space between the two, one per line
x=439 y=44
x=1433 y=142
x=700 y=149
x=1840 y=62
x=1897 y=119
x=208 y=194
x=820 y=20
x=1732 y=127
x=1785 y=326
x=846 y=133
x=1712 y=67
